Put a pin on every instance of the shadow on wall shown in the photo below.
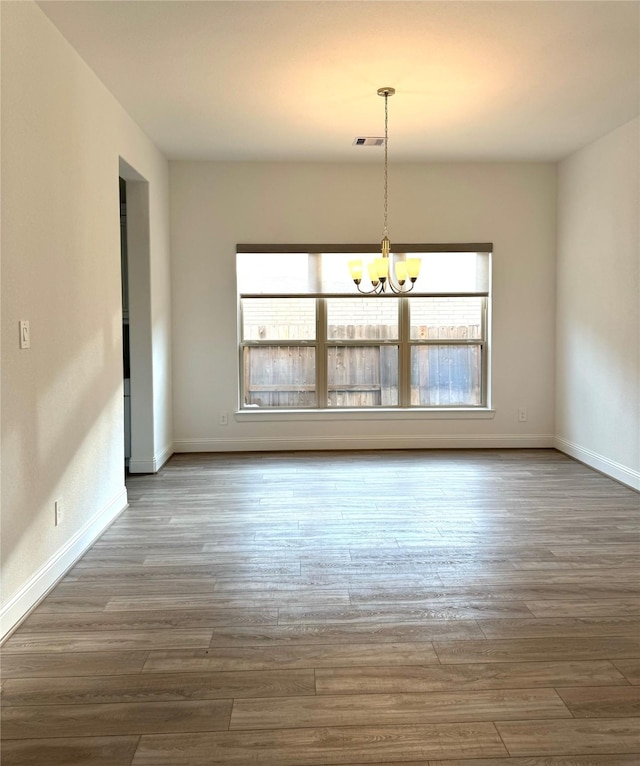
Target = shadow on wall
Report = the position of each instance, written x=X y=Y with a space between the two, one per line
x=66 y=437
x=71 y=443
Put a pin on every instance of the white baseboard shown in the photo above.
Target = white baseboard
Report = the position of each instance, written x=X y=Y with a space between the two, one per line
x=617 y=471
x=268 y=444
x=142 y=465
x=48 y=575
x=162 y=457
x=151 y=464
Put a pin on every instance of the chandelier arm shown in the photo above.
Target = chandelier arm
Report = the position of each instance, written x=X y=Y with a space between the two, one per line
x=399 y=289
x=376 y=289
x=395 y=289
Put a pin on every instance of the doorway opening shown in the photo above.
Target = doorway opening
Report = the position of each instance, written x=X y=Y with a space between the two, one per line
x=126 y=349
x=137 y=335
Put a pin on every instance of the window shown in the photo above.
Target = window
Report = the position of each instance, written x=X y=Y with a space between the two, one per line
x=279 y=352
x=307 y=341
x=362 y=345
x=447 y=338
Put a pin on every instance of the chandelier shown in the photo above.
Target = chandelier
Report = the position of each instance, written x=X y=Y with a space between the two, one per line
x=379 y=272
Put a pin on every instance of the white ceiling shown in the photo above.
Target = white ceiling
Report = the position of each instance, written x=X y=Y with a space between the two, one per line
x=296 y=80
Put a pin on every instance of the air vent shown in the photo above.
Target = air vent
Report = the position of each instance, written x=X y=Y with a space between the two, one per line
x=369 y=141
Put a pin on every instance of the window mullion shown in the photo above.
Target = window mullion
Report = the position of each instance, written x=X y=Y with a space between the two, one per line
x=405 y=353
x=321 y=353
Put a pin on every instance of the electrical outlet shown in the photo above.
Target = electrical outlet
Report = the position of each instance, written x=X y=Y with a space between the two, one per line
x=224 y=419
x=58 y=512
x=522 y=415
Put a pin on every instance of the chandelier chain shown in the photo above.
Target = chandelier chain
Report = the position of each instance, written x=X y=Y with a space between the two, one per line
x=387 y=272
x=386 y=156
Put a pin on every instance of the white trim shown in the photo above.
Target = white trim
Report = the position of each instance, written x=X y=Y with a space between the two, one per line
x=162 y=457
x=611 y=468
x=152 y=464
x=142 y=465
x=465 y=441
x=50 y=573
x=404 y=413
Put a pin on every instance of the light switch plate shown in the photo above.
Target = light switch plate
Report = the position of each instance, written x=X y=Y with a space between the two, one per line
x=25 y=334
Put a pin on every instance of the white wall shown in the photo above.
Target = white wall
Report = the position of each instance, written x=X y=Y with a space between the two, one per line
x=62 y=400
x=598 y=305
x=216 y=205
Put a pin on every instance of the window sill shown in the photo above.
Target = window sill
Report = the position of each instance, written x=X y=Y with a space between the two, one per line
x=413 y=413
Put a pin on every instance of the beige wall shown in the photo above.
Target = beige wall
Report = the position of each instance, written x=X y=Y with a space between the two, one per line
x=598 y=305
x=62 y=400
x=216 y=205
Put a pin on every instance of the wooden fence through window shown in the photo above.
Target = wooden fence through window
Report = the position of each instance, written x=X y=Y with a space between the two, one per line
x=442 y=374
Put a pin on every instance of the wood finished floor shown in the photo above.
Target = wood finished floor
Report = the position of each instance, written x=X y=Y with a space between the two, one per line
x=316 y=609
